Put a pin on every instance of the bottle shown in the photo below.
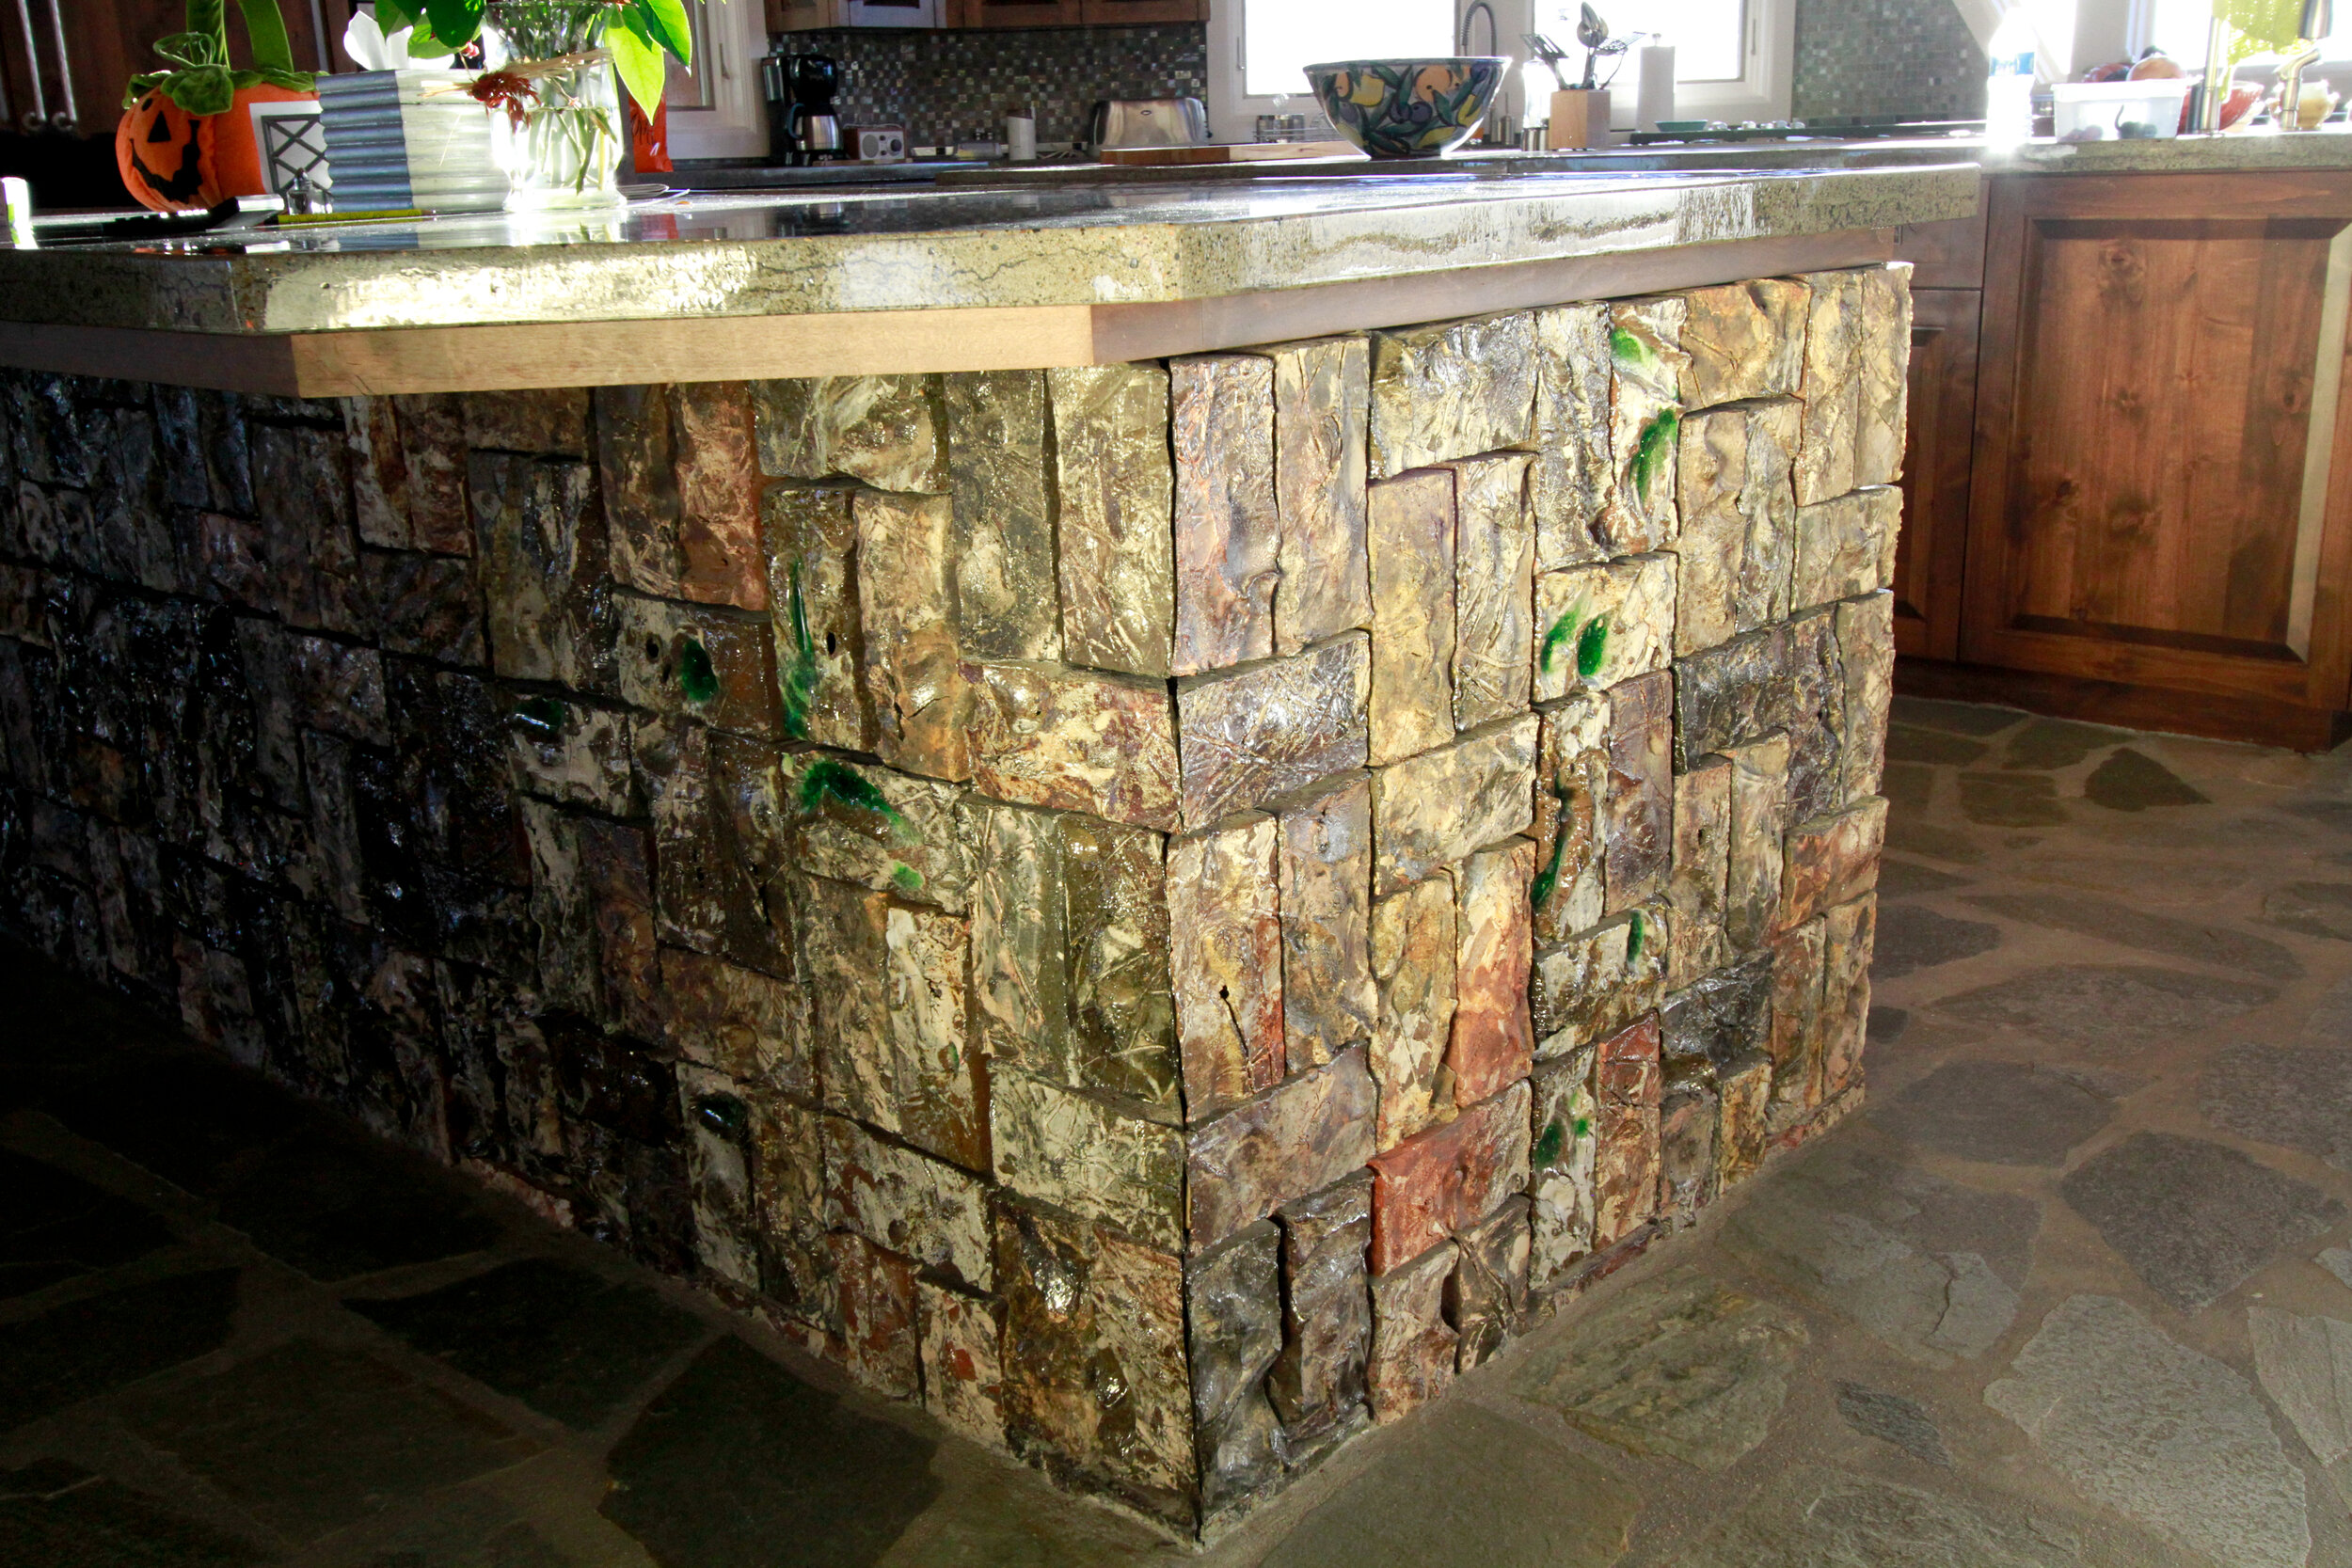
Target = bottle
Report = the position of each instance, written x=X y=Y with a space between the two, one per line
x=2009 y=80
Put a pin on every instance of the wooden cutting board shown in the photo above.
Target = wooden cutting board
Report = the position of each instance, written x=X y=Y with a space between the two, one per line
x=1224 y=152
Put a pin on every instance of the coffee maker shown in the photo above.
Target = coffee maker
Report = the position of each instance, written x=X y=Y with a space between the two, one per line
x=802 y=125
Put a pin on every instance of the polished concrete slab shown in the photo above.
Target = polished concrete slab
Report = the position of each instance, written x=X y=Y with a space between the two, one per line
x=2074 y=1289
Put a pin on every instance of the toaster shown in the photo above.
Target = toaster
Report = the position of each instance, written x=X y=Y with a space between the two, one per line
x=1147 y=122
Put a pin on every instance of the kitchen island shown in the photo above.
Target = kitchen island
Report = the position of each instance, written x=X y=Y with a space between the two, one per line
x=1151 y=816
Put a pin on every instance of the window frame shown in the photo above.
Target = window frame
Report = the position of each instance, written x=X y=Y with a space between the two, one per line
x=1763 y=91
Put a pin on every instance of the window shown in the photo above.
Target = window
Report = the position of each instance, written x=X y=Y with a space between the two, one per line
x=1732 y=58
x=2180 y=28
x=1257 y=48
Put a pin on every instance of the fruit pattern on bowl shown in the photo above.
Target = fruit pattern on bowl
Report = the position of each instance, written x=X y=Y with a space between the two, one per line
x=1408 y=108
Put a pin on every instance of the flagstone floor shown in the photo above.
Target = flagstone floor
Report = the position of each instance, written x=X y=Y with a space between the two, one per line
x=2076 y=1288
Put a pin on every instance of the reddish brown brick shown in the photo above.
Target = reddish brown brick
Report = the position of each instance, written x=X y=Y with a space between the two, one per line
x=1494 y=1038
x=1429 y=1186
x=1628 y=1086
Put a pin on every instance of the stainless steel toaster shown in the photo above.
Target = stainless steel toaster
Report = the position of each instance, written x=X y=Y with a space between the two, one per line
x=1147 y=122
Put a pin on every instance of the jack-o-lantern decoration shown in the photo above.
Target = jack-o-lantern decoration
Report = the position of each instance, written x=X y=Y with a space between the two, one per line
x=171 y=159
x=186 y=135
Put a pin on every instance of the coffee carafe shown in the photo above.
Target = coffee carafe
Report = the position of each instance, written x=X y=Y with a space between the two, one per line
x=802 y=124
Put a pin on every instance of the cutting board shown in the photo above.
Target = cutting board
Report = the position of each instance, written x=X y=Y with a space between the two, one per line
x=1224 y=152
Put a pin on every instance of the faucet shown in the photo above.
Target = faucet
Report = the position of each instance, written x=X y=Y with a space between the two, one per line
x=2316 y=22
x=1494 y=32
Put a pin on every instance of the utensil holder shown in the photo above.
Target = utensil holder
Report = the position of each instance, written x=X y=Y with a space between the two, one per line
x=1580 y=117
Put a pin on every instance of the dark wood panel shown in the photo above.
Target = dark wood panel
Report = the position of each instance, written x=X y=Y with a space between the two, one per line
x=2151 y=349
x=2259 y=720
x=1015 y=13
x=109 y=40
x=1938 y=449
x=1116 y=13
x=1946 y=254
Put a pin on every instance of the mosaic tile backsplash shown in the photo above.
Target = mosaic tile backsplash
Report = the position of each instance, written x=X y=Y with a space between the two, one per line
x=945 y=85
x=1910 y=57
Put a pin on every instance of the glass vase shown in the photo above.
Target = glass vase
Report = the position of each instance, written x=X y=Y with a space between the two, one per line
x=562 y=146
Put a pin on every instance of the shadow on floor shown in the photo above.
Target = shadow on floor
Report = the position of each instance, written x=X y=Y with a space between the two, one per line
x=2075 y=1290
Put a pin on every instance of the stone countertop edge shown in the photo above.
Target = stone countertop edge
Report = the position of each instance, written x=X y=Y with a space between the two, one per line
x=1229 y=248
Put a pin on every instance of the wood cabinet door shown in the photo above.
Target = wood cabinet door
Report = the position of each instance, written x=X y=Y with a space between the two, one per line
x=1113 y=13
x=1016 y=13
x=82 y=51
x=1939 y=443
x=2162 y=492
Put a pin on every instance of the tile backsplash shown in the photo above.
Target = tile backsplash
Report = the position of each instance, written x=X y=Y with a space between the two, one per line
x=1910 y=57
x=945 y=85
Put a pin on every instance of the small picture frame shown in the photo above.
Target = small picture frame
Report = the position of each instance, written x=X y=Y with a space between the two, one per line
x=292 y=138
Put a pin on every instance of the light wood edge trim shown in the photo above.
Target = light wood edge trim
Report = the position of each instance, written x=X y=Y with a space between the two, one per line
x=493 y=357
x=1237 y=320
x=690 y=348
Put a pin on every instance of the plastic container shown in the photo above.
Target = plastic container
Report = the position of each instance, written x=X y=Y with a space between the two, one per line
x=2107 y=111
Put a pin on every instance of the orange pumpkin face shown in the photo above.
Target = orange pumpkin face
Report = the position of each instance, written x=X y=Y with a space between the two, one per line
x=171 y=159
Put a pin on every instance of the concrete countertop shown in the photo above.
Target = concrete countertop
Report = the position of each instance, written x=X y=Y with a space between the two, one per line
x=803 y=253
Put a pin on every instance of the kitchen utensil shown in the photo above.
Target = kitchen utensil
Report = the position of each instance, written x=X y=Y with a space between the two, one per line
x=1147 y=122
x=1541 y=46
x=1408 y=108
x=1592 y=33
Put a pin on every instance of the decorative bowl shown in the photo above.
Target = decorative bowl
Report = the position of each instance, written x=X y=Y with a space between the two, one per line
x=1408 y=108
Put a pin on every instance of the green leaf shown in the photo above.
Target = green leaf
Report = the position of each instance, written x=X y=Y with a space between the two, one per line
x=205 y=90
x=696 y=677
x=638 y=58
x=392 y=15
x=456 y=23
x=1652 y=450
x=1626 y=349
x=211 y=18
x=265 y=34
x=1592 y=646
x=831 y=782
x=665 y=22
x=190 y=49
x=801 y=670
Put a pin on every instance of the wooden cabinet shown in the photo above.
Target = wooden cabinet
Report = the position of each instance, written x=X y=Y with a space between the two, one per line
x=1116 y=13
x=93 y=47
x=2157 y=503
x=1931 y=551
x=1016 y=13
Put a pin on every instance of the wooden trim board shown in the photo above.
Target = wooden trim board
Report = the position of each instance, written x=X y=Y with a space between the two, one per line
x=495 y=358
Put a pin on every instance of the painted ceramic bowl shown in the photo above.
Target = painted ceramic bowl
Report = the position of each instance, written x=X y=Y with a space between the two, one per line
x=1408 y=108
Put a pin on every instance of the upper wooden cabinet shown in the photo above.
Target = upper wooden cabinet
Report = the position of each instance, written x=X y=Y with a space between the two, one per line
x=1015 y=13
x=104 y=42
x=1111 y=13
x=2161 y=490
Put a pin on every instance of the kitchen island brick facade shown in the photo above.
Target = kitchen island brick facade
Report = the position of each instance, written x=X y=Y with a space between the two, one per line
x=1162 y=910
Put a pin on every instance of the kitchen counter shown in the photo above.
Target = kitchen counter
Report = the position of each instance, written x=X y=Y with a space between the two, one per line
x=867 y=281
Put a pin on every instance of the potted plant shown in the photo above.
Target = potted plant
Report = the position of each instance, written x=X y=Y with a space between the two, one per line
x=186 y=139
x=552 y=64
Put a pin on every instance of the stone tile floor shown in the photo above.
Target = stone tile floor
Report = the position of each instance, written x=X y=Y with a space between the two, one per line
x=2075 y=1288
